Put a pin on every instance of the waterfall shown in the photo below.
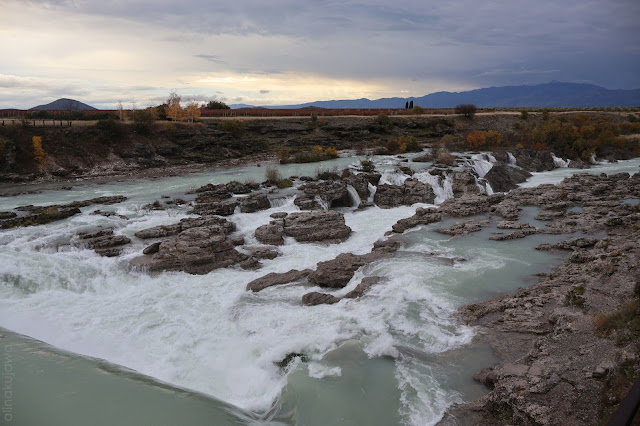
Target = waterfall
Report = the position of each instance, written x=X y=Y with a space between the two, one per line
x=393 y=177
x=559 y=162
x=321 y=202
x=442 y=188
x=512 y=159
x=480 y=163
x=372 y=192
x=353 y=194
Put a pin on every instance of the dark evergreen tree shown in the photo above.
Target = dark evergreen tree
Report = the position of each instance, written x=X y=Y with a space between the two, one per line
x=411 y=104
x=406 y=105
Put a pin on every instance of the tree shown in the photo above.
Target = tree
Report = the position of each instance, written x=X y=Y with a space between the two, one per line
x=468 y=110
x=406 y=105
x=122 y=115
x=411 y=105
x=174 y=110
x=192 y=111
x=217 y=105
x=38 y=152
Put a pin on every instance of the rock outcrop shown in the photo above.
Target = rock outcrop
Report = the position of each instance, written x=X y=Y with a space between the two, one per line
x=196 y=250
x=410 y=192
x=321 y=226
x=504 y=177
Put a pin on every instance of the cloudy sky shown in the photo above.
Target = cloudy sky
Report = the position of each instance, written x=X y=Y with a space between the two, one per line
x=273 y=52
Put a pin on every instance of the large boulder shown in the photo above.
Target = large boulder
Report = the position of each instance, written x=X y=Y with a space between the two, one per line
x=254 y=203
x=317 y=226
x=410 y=192
x=183 y=225
x=463 y=184
x=533 y=160
x=197 y=250
x=332 y=193
x=322 y=226
x=504 y=177
x=421 y=217
x=219 y=208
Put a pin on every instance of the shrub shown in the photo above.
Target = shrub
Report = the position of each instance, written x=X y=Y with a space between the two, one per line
x=235 y=127
x=143 y=120
x=328 y=174
x=412 y=145
x=367 y=166
x=285 y=183
x=384 y=120
x=476 y=139
x=38 y=152
x=444 y=156
x=524 y=114
x=545 y=114
x=467 y=110
x=284 y=155
x=418 y=110
x=272 y=174
x=345 y=173
x=331 y=152
x=110 y=129
x=493 y=138
x=449 y=140
x=317 y=150
x=392 y=146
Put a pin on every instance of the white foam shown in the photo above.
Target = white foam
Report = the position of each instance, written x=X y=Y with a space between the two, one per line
x=393 y=177
x=318 y=371
x=559 y=162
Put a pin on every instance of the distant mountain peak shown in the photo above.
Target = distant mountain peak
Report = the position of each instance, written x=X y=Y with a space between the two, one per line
x=64 y=104
x=552 y=94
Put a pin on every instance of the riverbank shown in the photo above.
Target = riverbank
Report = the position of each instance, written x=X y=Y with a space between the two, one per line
x=113 y=150
x=336 y=314
x=569 y=345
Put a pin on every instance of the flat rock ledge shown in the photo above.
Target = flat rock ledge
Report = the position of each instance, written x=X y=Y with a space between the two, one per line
x=316 y=226
x=569 y=344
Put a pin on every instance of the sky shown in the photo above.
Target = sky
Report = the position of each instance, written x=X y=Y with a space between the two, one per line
x=280 y=52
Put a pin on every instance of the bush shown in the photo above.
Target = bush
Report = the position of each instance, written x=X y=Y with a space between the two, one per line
x=384 y=120
x=476 y=139
x=392 y=146
x=331 y=152
x=367 y=166
x=444 y=156
x=38 y=152
x=143 y=120
x=235 y=127
x=545 y=114
x=493 y=138
x=285 y=183
x=524 y=114
x=418 y=110
x=328 y=175
x=467 y=110
x=272 y=174
x=412 y=145
x=284 y=155
x=317 y=150
x=110 y=129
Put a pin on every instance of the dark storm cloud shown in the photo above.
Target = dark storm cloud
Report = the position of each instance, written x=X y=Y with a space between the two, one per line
x=480 y=43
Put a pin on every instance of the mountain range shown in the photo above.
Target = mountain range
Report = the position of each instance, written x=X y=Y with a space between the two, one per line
x=64 y=104
x=553 y=94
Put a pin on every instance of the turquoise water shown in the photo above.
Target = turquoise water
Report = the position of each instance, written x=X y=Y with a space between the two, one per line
x=186 y=349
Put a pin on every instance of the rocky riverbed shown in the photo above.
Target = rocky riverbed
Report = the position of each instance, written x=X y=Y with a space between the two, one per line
x=569 y=333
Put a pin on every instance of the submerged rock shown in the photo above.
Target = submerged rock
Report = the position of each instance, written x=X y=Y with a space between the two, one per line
x=275 y=278
x=464 y=228
x=316 y=298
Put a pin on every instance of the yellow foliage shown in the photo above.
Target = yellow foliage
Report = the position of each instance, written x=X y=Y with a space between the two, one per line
x=174 y=110
x=317 y=150
x=192 y=111
x=331 y=152
x=38 y=152
x=493 y=138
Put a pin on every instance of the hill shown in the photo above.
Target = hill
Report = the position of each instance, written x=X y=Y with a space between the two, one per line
x=64 y=104
x=554 y=94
